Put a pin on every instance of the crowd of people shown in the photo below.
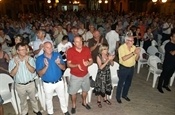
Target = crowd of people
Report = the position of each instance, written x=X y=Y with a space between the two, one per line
x=46 y=44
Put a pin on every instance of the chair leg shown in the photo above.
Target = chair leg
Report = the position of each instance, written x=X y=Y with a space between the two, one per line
x=172 y=79
x=154 y=80
x=148 y=75
x=138 y=67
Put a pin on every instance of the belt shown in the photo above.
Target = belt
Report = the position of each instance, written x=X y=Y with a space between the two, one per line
x=52 y=82
x=125 y=66
x=26 y=82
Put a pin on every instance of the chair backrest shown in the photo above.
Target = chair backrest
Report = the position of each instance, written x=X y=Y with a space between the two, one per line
x=142 y=51
x=154 y=43
x=5 y=80
x=152 y=50
x=92 y=69
x=67 y=73
x=114 y=68
x=165 y=42
x=162 y=49
x=153 y=60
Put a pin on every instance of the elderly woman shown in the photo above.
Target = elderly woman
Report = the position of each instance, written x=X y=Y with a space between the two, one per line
x=4 y=59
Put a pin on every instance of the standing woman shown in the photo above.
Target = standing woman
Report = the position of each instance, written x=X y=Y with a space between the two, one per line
x=147 y=38
x=103 y=84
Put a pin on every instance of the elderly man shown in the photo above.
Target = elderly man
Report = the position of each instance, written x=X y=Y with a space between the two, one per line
x=49 y=66
x=22 y=68
x=78 y=60
x=128 y=55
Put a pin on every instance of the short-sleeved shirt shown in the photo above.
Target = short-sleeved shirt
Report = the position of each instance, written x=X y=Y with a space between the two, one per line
x=76 y=57
x=37 y=43
x=53 y=72
x=123 y=50
x=23 y=75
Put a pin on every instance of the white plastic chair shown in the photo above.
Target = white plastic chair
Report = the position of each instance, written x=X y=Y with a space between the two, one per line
x=172 y=79
x=38 y=95
x=114 y=77
x=6 y=91
x=152 y=62
x=154 y=43
x=152 y=50
x=165 y=42
x=93 y=69
x=141 y=61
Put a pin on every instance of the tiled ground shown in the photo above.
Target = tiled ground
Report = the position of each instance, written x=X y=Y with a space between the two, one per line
x=145 y=100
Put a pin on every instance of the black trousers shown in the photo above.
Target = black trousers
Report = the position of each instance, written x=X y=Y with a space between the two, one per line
x=165 y=76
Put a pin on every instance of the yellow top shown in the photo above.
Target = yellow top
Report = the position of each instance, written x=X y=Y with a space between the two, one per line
x=123 y=50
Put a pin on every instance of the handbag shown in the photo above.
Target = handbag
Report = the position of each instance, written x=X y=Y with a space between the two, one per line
x=92 y=82
x=1 y=100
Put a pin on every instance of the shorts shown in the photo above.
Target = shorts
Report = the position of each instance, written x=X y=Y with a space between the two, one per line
x=77 y=83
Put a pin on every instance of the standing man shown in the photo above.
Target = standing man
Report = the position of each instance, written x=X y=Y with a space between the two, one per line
x=78 y=60
x=49 y=66
x=168 y=65
x=112 y=38
x=22 y=68
x=94 y=44
x=128 y=55
x=38 y=43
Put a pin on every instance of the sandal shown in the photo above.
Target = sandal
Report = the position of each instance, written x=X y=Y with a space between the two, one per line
x=107 y=101
x=99 y=104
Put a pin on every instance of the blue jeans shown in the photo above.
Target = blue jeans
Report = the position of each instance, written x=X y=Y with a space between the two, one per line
x=125 y=75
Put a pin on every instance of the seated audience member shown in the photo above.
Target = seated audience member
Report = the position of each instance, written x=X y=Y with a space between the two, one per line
x=18 y=39
x=63 y=46
x=4 y=59
x=4 y=40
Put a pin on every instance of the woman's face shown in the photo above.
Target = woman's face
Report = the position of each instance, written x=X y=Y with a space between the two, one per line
x=64 y=41
x=105 y=50
x=17 y=40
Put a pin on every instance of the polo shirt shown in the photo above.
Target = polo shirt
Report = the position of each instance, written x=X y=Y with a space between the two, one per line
x=123 y=50
x=53 y=72
x=77 y=58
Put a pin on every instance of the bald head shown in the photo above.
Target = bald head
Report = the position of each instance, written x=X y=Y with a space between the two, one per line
x=48 y=47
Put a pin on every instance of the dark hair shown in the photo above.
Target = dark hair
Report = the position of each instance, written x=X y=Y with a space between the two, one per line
x=19 y=36
x=65 y=37
x=0 y=46
x=113 y=27
x=20 y=44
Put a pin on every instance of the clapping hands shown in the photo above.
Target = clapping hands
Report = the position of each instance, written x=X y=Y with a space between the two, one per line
x=46 y=62
x=57 y=61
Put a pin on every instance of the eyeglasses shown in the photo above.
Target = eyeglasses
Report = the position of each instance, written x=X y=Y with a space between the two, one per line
x=130 y=40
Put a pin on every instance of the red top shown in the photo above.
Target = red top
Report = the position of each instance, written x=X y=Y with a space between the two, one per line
x=77 y=58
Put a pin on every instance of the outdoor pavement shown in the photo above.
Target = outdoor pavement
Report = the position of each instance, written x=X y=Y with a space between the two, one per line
x=145 y=100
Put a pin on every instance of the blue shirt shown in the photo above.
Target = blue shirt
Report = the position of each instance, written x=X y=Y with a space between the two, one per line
x=53 y=72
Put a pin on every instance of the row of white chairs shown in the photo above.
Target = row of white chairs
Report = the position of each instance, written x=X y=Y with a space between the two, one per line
x=9 y=94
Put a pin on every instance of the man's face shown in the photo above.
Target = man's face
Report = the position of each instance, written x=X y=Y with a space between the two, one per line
x=130 y=41
x=40 y=35
x=96 y=35
x=48 y=48
x=22 y=51
x=173 y=38
x=78 y=42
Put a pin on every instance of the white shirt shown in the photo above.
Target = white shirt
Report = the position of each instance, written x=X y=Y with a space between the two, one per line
x=112 y=37
x=89 y=35
x=5 y=46
x=36 y=45
x=167 y=31
x=63 y=47
x=82 y=32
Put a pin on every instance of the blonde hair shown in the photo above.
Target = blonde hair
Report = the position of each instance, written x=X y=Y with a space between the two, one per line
x=102 y=47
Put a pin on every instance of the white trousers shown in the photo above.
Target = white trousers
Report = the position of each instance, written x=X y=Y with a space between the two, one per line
x=59 y=89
